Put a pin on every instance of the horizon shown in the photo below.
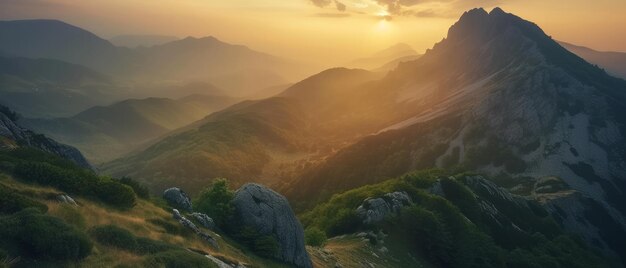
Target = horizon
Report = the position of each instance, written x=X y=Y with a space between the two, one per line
x=322 y=32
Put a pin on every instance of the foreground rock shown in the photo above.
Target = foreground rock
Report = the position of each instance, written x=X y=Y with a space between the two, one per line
x=374 y=210
x=177 y=198
x=269 y=213
x=205 y=220
x=11 y=130
x=187 y=223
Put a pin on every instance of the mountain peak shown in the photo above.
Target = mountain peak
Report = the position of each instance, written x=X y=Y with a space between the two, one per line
x=497 y=11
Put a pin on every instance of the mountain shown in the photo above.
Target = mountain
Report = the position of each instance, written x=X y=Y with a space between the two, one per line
x=385 y=56
x=235 y=67
x=58 y=40
x=500 y=97
x=275 y=137
x=13 y=136
x=613 y=62
x=46 y=88
x=137 y=40
x=107 y=132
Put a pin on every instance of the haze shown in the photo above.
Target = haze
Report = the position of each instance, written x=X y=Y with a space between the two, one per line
x=318 y=31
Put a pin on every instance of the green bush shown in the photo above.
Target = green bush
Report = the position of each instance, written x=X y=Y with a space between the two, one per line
x=115 y=193
x=216 y=202
x=39 y=167
x=43 y=237
x=111 y=235
x=11 y=202
x=178 y=259
x=314 y=237
x=139 y=189
x=262 y=245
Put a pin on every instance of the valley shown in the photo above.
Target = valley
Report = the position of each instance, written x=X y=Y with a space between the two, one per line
x=497 y=147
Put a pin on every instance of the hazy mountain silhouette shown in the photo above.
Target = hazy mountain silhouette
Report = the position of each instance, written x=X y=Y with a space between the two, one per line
x=105 y=132
x=384 y=57
x=45 y=87
x=138 y=40
x=235 y=67
x=613 y=62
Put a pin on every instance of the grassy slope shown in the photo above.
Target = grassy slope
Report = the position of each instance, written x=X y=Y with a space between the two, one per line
x=135 y=220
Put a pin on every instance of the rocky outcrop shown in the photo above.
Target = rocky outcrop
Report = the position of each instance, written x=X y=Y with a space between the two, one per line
x=205 y=220
x=374 y=210
x=269 y=213
x=23 y=137
x=187 y=223
x=177 y=198
x=66 y=199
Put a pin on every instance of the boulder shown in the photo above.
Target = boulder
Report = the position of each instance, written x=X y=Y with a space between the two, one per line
x=374 y=210
x=205 y=220
x=269 y=213
x=177 y=198
x=187 y=223
x=66 y=199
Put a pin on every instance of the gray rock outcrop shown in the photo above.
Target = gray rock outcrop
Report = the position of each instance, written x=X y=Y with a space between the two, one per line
x=269 y=213
x=187 y=223
x=374 y=210
x=24 y=137
x=177 y=198
x=66 y=199
x=205 y=220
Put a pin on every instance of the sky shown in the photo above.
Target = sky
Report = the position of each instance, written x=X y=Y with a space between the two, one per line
x=324 y=31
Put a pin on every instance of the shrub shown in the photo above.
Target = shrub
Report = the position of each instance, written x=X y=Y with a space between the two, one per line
x=314 y=237
x=262 y=245
x=11 y=202
x=216 y=202
x=345 y=221
x=139 y=189
x=44 y=237
x=111 y=235
x=178 y=258
x=39 y=167
x=115 y=193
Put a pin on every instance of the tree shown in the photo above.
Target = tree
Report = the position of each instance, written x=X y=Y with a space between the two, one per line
x=216 y=202
x=314 y=237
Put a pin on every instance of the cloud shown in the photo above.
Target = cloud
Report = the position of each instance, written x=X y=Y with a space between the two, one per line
x=332 y=15
x=324 y=3
x=340 y=6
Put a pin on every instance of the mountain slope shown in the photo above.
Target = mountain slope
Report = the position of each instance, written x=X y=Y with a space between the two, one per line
x=107 y=132
x=385 y=56
x=274 y=136
x=56 y=40
x=45 y=87
x=499 y=96
x=613 y=62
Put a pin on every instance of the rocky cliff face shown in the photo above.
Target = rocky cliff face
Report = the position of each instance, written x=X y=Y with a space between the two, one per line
x=17 y=136
x=269 y=213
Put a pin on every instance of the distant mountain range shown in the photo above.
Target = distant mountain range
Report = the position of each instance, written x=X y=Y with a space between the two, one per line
x=47 y=88
x=139 y=40
x=103 y=133
x=233 y=67
x=613 y=62
x=388 y=56
x=497 y=96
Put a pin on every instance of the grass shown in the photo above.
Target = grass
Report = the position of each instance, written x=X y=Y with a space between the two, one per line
x=139 y=220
